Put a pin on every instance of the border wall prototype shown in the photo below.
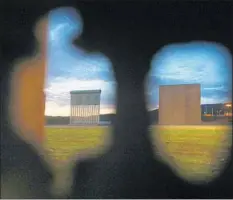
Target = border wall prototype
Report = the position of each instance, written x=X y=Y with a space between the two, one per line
x=180 y=104
x=85 y=107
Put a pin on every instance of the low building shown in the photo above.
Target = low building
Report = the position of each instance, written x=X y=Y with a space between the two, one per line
x=220 y=109
x=212 y=109
x=228 y=109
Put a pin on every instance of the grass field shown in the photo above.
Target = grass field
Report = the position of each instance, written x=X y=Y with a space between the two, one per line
x=195 y=150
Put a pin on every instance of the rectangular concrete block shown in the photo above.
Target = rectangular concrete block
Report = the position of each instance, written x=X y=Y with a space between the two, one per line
x=180 y=104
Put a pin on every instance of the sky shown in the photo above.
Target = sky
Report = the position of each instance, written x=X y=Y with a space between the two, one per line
x=72 y=68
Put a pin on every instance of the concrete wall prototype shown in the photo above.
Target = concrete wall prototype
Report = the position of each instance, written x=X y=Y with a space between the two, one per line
x=180 y=104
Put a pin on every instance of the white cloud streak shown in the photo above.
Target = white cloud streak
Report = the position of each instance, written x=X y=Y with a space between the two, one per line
x=58 y=94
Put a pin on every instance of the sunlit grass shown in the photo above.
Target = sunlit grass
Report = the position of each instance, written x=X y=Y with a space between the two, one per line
x=63 y=143
x=194 y=150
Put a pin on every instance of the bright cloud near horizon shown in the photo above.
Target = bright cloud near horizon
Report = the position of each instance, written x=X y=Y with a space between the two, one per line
x=71 y=68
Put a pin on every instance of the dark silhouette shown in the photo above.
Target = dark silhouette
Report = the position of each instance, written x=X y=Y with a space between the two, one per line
x=23 y=173
x=129 y=34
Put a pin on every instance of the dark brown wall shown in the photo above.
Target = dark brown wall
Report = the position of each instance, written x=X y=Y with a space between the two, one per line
x=179 y=105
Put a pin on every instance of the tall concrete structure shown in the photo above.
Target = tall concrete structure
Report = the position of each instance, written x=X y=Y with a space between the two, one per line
x=180 y=104
x=85 y=107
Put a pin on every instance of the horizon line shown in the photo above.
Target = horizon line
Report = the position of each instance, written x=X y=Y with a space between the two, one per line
x=115 y=112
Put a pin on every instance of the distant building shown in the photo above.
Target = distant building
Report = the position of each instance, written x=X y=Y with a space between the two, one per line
x=228 y=109
x=220 y=109
x=212 y=109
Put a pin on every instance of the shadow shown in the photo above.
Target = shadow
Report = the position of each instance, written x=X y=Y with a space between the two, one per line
x=25 y=167
x=129 y=169
x=128 y=38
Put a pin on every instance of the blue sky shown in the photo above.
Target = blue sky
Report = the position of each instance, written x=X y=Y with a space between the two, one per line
x=71 y=68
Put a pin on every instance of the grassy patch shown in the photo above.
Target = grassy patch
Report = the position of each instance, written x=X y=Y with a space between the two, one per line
x=193 y=149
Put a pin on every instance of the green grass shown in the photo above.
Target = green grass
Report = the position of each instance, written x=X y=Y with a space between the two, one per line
x=192 y=149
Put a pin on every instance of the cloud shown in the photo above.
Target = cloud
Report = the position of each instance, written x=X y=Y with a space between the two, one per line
x=192 y=63
x=53 y=109
x=219 y=88
x=106 y=109
x=54 y=33
x=68 y=60
x=58 y=94
x=82 y=67
x=209 y=100
x=71 y=68
x=65 y=24
x=204 y=63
